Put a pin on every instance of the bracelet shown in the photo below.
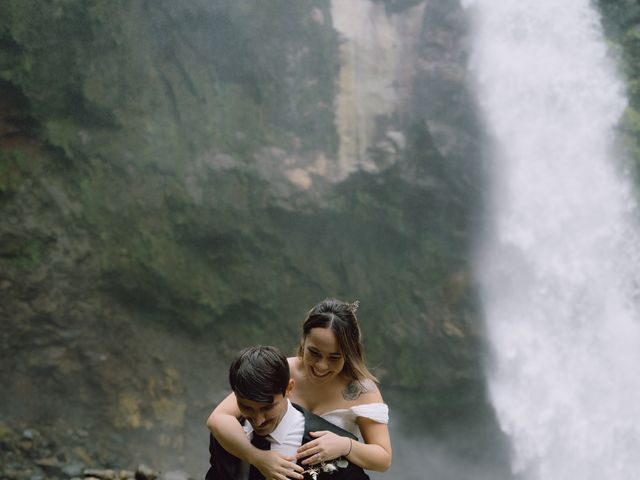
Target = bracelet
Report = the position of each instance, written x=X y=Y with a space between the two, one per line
x=350 y=447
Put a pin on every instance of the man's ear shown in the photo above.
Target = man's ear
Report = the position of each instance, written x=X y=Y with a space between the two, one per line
x=290 y=386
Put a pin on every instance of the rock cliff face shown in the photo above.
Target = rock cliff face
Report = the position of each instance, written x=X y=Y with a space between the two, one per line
x=181 y=179
x=377 y=67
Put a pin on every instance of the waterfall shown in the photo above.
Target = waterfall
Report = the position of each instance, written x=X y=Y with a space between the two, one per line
x=559 y=265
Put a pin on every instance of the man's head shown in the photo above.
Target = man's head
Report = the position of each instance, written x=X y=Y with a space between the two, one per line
x=259 y=377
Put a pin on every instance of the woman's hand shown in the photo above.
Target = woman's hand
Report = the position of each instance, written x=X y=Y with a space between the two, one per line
x=326 y=446
x=275 y=466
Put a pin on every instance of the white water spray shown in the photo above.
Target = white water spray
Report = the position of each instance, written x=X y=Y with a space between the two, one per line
x=559 y=267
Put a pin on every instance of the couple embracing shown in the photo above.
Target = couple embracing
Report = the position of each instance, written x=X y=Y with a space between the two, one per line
x=317 y=413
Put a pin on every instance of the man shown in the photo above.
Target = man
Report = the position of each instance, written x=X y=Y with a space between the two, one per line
x=260 y=380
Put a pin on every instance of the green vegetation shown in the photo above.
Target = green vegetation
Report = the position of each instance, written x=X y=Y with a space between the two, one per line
x=13 y=165
x=150 y=119
x=164 y=82
x=621 y=20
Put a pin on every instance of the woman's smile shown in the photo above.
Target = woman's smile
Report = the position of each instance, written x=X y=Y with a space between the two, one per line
x=316 y=373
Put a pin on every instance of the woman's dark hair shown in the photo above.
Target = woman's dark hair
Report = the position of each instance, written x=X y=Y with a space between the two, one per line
x=340 y=317
x=258 y=373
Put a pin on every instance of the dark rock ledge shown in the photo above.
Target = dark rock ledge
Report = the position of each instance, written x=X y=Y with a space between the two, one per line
x=29 y=454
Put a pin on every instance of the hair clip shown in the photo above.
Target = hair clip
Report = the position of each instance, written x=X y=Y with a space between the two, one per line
x=353 y=307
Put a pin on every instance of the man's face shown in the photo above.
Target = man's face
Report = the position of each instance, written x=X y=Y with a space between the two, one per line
x=264 y=417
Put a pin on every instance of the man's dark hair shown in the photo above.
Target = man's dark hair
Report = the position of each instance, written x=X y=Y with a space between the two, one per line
x=258 y=373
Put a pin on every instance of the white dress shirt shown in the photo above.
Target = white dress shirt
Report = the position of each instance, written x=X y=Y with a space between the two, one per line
x=285 y=439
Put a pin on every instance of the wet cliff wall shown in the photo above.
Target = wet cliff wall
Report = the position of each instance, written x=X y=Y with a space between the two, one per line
x=172 y=188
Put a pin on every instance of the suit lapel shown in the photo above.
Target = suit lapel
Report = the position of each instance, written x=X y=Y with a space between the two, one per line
x=223 y=465
x=314 y=423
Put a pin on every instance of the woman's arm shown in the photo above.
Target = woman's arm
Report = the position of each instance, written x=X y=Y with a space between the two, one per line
x=374 y=454
x=223 y=424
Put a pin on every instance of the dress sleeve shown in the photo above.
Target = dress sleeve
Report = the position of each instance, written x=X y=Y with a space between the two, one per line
x=378 y=412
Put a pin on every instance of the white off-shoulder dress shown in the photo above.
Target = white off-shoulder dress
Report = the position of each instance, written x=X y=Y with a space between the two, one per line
x=345 y=418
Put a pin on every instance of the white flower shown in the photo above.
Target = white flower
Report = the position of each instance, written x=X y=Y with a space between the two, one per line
x=328 y=467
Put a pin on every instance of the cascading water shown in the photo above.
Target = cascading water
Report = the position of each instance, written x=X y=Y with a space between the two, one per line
x=559 y=265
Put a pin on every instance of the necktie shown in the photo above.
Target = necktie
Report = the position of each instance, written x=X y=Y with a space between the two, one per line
x=263 y=444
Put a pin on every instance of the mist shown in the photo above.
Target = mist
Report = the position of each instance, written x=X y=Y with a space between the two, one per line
x=181 y=180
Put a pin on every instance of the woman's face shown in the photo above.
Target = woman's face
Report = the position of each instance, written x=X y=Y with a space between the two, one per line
x=321 y=356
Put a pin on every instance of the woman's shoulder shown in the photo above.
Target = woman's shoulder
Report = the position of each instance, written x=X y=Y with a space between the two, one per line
x=295 y=368
x=359 y=392
x=369 y=403
x=294 y=362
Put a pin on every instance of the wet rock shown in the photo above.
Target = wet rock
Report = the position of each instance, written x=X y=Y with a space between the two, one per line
x=317 y=16
x=30 y=434
x=82 y=455
x=50 y=465
x=26 y=454
x=9 y=472
x=73 y=469
x=175 y=475
x=6 y=433
x=144 y=472
x=103 y=474
x=25 y=445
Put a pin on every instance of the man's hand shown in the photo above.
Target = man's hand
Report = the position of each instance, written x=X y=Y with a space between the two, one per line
x=275 y=466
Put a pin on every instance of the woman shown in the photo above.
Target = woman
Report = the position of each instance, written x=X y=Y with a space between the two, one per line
x=331 y=380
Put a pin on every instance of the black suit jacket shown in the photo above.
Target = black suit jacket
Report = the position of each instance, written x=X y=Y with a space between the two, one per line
x=224 y=466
